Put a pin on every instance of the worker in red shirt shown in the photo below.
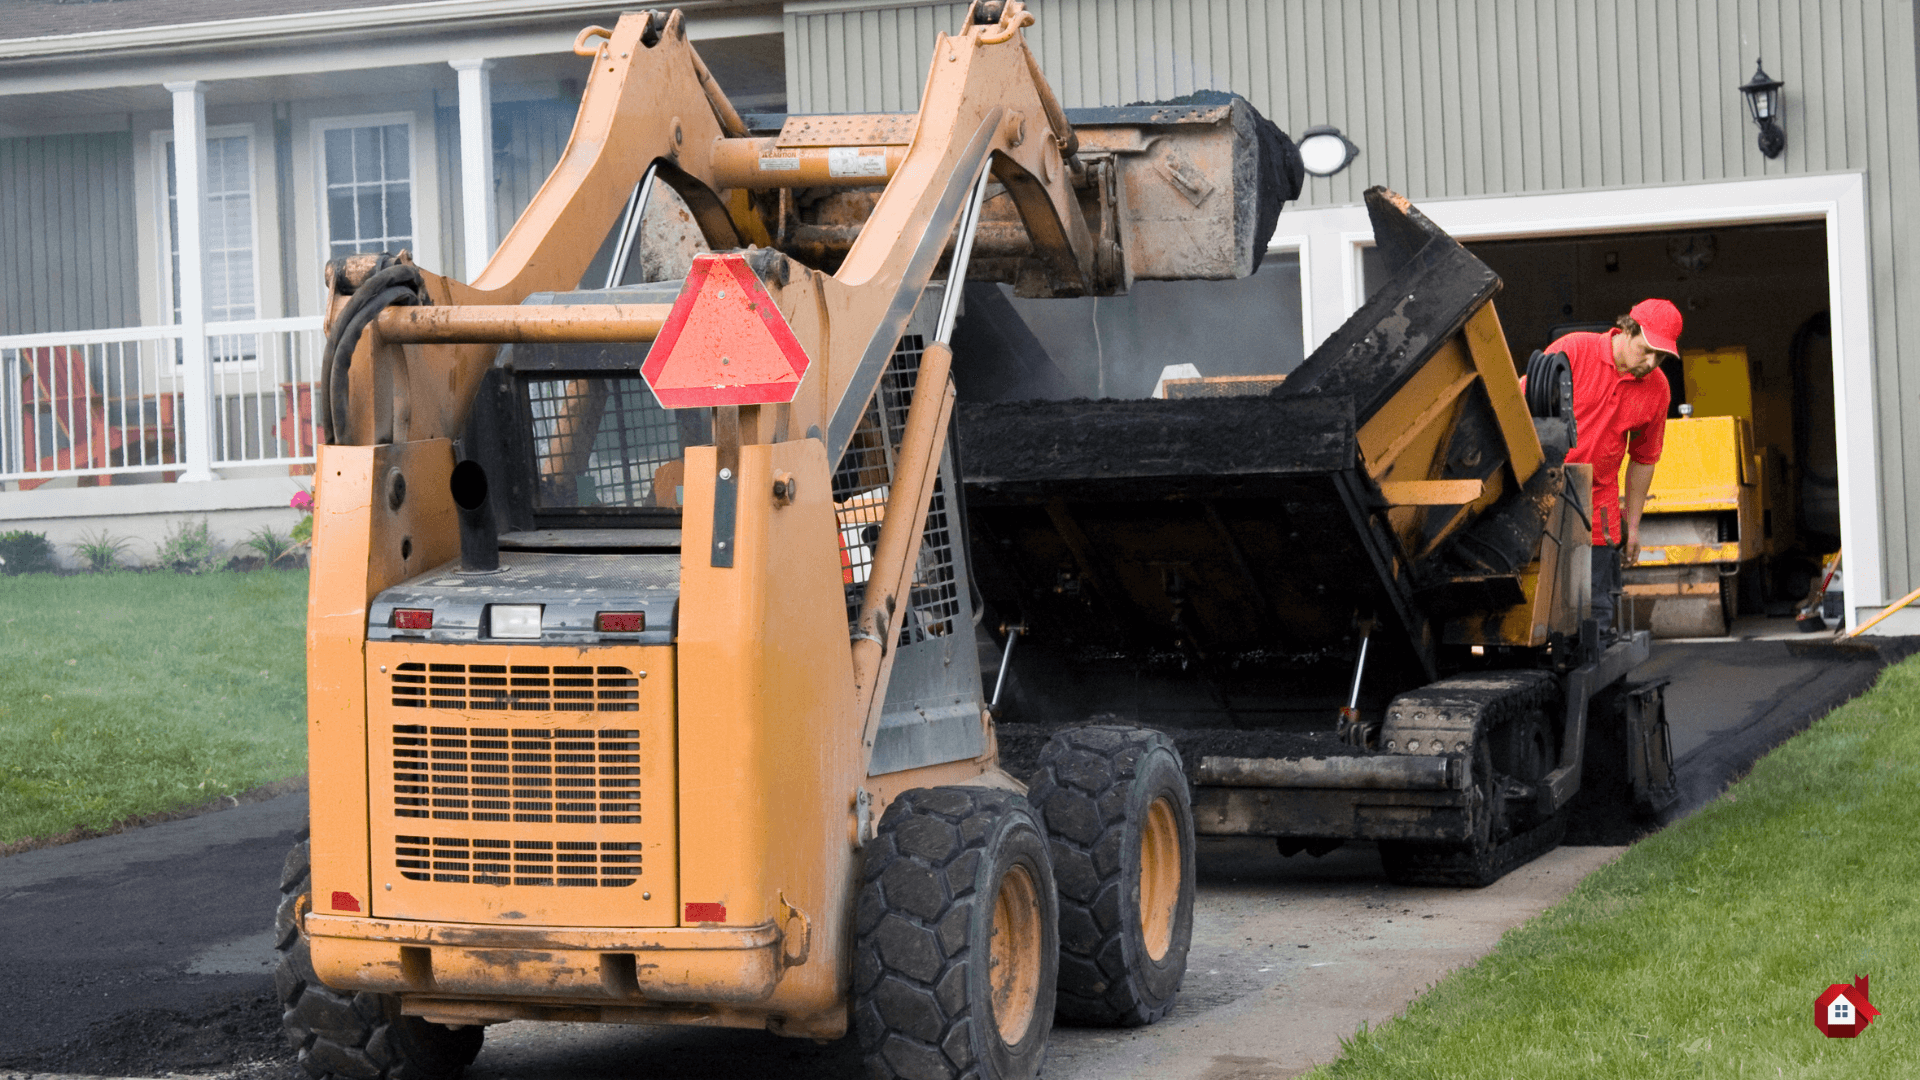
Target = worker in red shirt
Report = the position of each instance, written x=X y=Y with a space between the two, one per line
x=1620 y=401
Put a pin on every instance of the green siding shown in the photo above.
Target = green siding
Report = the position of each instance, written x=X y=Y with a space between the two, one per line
x=1473 y=98
x=67 y=233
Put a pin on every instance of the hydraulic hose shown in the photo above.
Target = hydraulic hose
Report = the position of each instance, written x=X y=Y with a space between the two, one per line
x=1549 y=385
x=392 y=282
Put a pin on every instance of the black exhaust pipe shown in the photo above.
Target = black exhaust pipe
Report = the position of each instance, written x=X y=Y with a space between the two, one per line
x=479 y=537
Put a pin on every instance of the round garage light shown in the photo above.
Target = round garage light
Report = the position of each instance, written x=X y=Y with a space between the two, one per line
x=1325 y=151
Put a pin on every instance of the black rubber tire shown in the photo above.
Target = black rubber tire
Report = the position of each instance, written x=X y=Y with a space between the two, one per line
x=922 y=991
x=1093 y=790
x=359 y=1035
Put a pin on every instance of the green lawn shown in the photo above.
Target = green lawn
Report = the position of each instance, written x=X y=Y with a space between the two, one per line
x=1699 y=952
x=125 y=694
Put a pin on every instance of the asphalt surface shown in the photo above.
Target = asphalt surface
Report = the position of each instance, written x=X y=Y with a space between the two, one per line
x=150 y=951
x=157 y=939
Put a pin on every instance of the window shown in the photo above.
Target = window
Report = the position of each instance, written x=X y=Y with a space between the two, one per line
x=367 y=177
x=228 y=236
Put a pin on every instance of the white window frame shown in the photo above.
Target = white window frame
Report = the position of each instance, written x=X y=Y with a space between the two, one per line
x=424 y=248
x=1296 y=245
x=162 y=139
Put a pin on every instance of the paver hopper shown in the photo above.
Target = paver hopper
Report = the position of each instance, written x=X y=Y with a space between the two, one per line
x=1356 y=599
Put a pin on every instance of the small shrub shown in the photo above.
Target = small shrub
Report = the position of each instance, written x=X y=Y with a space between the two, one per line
x=26 y=553
x=303 y=529
x=102 y=550
x=271 y=545
x=188 y=548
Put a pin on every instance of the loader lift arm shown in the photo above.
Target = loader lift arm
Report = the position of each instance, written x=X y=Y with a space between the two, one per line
x=646 y=105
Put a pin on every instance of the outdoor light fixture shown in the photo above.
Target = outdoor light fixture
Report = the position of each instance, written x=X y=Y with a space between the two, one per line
x=1763 y=101
x=1324 y=151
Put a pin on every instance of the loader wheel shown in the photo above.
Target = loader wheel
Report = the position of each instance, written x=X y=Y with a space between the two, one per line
x=353 y=1036
x=956 y=943
x=1120 y=829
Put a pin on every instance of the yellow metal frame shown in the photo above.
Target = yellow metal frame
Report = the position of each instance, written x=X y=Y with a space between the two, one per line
x=772 y=712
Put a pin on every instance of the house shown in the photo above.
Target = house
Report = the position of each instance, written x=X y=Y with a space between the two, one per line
x=154 y=368
x=1842 y=1011
x=1593 y=154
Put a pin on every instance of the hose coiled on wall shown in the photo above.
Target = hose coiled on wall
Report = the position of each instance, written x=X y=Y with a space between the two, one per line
x=393 y=281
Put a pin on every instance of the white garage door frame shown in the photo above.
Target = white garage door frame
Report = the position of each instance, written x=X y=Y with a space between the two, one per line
x=1336 y=236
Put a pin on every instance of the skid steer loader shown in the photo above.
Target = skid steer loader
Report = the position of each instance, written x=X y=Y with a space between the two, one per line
x=642 y=680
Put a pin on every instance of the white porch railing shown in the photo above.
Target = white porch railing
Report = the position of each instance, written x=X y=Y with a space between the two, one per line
x=100 y=404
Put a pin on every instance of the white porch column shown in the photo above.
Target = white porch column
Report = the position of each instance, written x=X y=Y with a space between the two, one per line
x=190 y=185
x=480 y=224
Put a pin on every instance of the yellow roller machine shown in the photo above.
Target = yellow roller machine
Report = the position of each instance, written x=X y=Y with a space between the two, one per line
x=1710 y=509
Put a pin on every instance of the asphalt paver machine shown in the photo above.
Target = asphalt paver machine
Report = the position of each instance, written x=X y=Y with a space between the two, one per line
x=1356 y=597
x=642 y=670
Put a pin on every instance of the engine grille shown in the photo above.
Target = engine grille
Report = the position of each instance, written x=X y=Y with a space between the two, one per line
x=526 y=775
x=461 y=860
x=516 y=687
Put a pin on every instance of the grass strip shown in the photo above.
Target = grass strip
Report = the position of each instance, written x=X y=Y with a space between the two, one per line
x=124 y=694
x=1699 y=952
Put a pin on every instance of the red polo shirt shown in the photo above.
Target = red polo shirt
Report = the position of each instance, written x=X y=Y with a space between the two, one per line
x=1613 y=412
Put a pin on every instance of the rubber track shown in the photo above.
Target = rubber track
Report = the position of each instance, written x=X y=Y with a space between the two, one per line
x=1460 y=868
x=1499 y=700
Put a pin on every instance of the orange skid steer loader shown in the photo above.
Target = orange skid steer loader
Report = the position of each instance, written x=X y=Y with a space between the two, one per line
x=641 y=658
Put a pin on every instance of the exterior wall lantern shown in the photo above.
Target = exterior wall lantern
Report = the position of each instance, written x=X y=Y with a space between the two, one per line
x=1324 y=151
x=1763 y=101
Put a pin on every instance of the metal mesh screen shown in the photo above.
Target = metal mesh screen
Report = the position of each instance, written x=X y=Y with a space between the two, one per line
x=865 y=476
x=934 y=600
x=861 y=487
x=600 y=441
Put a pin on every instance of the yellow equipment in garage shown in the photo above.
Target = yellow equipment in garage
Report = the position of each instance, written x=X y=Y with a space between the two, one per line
x=1708 y=510
x=635 y=608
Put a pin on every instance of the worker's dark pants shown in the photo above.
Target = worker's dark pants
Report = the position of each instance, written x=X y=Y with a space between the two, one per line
x=1606 y=586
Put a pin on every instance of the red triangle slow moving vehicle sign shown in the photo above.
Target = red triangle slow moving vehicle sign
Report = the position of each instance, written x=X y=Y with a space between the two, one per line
x=725 y=343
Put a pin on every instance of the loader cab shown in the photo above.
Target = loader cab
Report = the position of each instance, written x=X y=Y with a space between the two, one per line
x=582 y=460
x=571 y=439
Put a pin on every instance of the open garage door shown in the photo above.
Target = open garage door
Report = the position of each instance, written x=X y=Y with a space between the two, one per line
x=1745 y=504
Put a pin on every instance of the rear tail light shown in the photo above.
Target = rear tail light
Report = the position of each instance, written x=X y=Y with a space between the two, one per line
x=620 y=622
x=412 y=619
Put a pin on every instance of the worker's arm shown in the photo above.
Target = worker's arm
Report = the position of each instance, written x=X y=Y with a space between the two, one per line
x=1639 y=481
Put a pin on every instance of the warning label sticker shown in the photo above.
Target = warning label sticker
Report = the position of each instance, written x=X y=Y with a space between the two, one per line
x=856 y=161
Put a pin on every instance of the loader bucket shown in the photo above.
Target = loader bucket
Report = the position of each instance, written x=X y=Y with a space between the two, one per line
x=1254 y=539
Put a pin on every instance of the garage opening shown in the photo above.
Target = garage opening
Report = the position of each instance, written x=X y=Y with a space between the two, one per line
x=1745 y=508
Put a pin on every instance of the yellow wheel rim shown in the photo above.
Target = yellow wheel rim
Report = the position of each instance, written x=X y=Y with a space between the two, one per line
x=1014 y=972
x=1159 y=878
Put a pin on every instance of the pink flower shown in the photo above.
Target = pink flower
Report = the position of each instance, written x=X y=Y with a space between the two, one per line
x=302 y=500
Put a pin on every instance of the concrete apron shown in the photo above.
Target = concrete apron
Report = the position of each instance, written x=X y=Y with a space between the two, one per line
x=1289 y=956
x=1292 y=955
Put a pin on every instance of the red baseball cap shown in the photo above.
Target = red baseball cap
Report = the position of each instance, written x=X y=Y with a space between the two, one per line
x=1660 y=321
